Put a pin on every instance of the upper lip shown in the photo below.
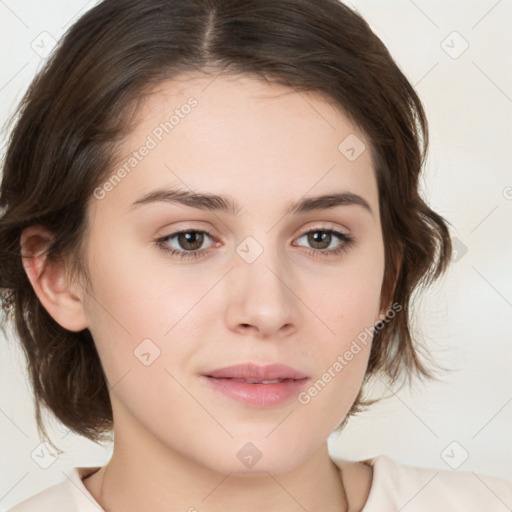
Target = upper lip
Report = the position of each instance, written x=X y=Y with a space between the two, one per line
x=256 y=372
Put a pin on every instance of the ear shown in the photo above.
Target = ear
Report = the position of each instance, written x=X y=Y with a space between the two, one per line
x=48 y=279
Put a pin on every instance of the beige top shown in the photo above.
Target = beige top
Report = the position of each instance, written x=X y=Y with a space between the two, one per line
x=394 y=487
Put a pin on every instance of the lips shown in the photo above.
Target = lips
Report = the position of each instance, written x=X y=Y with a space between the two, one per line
x=258 y=381
x=257 y=386
x=257 y=374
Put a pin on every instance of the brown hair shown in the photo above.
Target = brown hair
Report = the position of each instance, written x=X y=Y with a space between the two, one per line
x=74 y=113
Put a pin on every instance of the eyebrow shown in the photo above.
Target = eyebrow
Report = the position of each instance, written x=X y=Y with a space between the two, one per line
x=222 y=203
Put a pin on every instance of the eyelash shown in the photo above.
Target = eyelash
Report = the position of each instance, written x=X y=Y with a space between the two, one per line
x=346 y=242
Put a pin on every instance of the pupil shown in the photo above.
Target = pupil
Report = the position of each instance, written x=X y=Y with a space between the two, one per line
x=319 y=237
x=191 y=240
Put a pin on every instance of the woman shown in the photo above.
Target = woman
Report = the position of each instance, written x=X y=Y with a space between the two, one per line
x=220 y=227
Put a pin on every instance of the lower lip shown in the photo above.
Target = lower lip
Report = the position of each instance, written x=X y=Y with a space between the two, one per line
x=258 y=395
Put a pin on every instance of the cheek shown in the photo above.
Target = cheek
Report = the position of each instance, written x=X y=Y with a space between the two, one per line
x=138 y=295
x=349 y=300
x=348 y=304
x=141 y=311
x=341 y=358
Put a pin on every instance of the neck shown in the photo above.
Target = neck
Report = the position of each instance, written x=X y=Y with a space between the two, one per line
x=135 y=479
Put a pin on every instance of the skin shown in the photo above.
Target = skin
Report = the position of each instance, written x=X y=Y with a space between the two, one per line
x=176 y=439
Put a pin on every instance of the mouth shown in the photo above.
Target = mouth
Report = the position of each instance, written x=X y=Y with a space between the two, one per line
x=257 y=386
x=256 y=381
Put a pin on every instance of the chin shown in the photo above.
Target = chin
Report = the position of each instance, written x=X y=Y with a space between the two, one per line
x=258 y=456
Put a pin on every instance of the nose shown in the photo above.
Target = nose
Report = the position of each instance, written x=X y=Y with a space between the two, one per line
x=261 y=300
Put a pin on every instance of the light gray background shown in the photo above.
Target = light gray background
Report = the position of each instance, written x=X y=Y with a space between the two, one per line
x=466 y=318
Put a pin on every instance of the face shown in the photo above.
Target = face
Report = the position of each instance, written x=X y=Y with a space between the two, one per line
x=263 y=275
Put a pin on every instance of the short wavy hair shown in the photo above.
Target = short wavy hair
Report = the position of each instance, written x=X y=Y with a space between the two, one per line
x=75 y=113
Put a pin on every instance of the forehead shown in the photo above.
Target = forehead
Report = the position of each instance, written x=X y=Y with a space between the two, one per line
x=242 y=136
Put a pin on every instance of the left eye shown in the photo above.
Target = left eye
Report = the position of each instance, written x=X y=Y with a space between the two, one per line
x=321 y=239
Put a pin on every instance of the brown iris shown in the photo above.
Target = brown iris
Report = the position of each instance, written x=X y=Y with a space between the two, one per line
x=319 y=237
x=190 y=240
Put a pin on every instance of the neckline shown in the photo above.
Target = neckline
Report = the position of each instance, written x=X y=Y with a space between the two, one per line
x=83 y=472
x=358 y=494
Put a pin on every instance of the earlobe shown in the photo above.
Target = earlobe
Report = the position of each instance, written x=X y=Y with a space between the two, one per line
x=48 y=278
x=383 y=314
x=389 y=291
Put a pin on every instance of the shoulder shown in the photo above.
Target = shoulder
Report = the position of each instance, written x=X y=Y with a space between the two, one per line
x=70 y=495
x=426 y=489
